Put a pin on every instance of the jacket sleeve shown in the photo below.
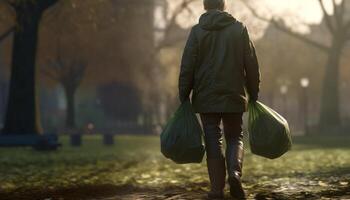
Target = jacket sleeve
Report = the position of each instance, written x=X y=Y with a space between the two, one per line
x=251 y=66
x=189 y=60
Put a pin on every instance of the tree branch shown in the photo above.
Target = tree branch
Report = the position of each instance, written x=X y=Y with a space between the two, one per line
x=45 y=4
x=7 y=33
x=327 y=17
x=12 y=3
x=300 y=36
x=342 y=7
x=339 y=12
x=347 y=28
x=50 y=75
x=287 y=30
x=172 y=22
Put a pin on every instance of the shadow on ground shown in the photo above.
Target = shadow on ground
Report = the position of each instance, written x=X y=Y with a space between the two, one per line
x=316 y=168
x=190 y=192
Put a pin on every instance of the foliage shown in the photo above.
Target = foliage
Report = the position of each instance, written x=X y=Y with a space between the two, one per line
x=314 y=167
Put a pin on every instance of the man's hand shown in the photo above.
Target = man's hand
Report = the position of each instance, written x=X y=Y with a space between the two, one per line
x=253 y=99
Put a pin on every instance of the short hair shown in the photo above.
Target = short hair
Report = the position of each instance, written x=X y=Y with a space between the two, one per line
x=214 y=4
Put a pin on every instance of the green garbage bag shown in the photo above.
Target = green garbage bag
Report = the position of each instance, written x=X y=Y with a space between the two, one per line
x=181 y=139
x=269 y=134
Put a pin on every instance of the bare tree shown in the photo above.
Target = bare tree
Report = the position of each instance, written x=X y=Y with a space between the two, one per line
x=5 y=14
x=7 y=33
x=156 y=96
x=171 y=22
x=69 y=74
x=339 y=29
x=28 y=15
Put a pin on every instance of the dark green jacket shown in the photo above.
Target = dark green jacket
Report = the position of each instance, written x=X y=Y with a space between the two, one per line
x=220 y=65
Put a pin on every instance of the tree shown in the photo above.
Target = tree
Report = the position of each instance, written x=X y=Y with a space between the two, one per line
x=4 y=20
x=168 y=38
x=160 y=94
x=8 y=32
x=69 y=74
x=339 y=30
x=22 y=116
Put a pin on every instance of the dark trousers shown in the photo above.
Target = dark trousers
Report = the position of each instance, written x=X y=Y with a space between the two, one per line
x=232 y=124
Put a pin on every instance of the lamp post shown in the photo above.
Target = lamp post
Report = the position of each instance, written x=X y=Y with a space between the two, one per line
x=284 y=91
x=305 y=82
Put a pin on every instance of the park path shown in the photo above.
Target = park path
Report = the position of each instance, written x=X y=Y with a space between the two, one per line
x=165 y=195
x=300 y=188
x=201 y=196
x=263 y=194
x=288 y=191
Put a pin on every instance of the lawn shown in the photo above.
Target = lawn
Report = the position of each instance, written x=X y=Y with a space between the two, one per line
x=134 y=169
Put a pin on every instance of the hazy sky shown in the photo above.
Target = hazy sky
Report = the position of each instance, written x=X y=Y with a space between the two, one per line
x=293 y=11
x=307 y=9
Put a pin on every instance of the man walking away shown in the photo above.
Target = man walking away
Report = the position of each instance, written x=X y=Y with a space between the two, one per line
x=220 y=66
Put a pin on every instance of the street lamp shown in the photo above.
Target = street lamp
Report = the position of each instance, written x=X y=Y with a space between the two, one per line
x=284 y=91
x=305 y=82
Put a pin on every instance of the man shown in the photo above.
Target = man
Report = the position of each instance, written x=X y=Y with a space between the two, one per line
x=220 y=65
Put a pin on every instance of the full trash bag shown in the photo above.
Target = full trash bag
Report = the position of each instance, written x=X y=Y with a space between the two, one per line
x=269 y=134
x=182 y=138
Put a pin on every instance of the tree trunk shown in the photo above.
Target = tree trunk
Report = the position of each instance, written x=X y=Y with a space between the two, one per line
x=330 y=114
x=22 y=115
x=2 y=100
x=7 y=33
x=70 y=112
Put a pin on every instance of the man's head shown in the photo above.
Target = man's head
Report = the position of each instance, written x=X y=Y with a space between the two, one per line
x=214 y=4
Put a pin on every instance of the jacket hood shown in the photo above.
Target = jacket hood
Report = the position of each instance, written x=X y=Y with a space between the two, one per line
x=215 y=20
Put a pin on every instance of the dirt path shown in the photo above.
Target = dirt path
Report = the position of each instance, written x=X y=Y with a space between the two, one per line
x=263 y=193
x=184 y=195
x=110 y=192
x=322 y=187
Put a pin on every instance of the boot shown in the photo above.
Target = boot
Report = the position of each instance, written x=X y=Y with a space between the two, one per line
x=234 y=160
x=217 y=175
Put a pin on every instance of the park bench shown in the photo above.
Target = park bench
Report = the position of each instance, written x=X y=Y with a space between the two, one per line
x=38 y=142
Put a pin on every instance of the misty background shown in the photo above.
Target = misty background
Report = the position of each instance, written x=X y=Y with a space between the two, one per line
x=113 y=65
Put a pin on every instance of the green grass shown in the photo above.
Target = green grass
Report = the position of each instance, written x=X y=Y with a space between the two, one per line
x=315 y=164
